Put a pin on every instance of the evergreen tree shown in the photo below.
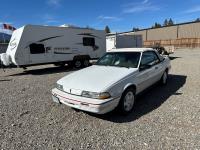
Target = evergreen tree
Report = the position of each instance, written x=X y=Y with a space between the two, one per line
x=156 y=25
x=197 y=20
x=165 y=22
x=135 y=29
x=171 y=22
x=107 y=29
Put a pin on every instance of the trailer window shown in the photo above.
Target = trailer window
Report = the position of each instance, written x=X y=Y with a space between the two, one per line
x=37 y=48
x=87 y=41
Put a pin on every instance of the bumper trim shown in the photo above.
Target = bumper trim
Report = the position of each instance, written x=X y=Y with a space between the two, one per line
x=55 y=94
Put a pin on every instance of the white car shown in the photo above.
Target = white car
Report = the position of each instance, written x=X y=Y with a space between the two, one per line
x=113 y=82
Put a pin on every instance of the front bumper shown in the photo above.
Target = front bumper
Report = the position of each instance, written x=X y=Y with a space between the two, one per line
x=85 y=104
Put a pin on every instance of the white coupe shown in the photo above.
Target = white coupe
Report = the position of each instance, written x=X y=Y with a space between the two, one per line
x=114 y=81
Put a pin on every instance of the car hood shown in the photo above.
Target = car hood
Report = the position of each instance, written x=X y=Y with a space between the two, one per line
x=95 y=78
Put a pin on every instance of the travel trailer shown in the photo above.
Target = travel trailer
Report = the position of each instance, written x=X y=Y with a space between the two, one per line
x=35 y=45
x=114 y=41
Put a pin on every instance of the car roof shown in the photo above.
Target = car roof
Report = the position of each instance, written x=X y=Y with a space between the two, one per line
x=130 y=50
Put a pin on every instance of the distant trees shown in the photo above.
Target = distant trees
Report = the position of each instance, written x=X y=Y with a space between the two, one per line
x=107 y=29
x=166 y=23
x=169 y=22
x=156 y=25
x=197 y=20
x=135 y=29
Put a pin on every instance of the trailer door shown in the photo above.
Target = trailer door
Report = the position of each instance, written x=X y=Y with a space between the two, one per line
x=37 y=53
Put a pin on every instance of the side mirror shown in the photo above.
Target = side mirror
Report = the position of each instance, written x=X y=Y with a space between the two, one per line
x=144 y=67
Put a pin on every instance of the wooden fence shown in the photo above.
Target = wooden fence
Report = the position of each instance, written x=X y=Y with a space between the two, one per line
x=177 y=43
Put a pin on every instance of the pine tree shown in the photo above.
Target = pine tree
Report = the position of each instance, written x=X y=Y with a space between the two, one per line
x=171 y=22
x=107 y=29
x=197 y=20
x=156 y=25
x=135 y=29
x=165 y=22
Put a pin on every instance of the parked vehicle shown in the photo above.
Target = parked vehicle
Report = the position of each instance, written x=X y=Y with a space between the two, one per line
x=35 y=45
x=114 y=81
x=166 y=50
x=116 y=41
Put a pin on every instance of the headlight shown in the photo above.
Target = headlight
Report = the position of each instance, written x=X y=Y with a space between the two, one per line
x=95 y=95
x=60 y=87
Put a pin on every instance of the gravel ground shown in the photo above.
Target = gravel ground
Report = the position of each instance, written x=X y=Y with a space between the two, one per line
x=164 y=117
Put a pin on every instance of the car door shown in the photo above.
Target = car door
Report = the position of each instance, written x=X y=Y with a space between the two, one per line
x=157 y=67
x=145 y=71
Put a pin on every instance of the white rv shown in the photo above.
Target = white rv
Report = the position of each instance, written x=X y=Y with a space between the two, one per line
x=115 y=41
x=35 y=45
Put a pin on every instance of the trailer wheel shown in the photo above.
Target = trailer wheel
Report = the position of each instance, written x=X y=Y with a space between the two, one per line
x=86 y=63
x=77 y=63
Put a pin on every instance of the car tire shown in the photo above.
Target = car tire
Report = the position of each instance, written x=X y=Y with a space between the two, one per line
x=86 y=63
x=163 y=80
x=127 y=101
x=77 y=63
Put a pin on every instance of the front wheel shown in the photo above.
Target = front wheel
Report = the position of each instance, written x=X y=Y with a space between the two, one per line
x=127 y=101
x=77 y=63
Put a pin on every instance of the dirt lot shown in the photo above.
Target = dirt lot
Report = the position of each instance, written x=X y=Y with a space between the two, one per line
x=164 y=117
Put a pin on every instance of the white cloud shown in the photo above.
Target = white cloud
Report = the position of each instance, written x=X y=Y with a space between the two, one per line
x=54 y=3
x=145 y=1
x=111 y=18
x=194 y=9
x=48 y=19
x=143 y=6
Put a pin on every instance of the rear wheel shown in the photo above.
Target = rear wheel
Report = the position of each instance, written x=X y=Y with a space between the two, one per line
x=164 y=78
x=86 y=63
x=127 y=101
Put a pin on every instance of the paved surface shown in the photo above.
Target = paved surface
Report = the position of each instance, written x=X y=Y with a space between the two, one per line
x=164 y=117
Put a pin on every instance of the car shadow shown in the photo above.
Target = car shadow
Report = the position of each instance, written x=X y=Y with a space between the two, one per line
x=44 y=71
x=150 y=100
x=5 y=80
x=173 y=57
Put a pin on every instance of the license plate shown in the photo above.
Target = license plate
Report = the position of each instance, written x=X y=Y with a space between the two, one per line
x=55 y=99
x=71 y=104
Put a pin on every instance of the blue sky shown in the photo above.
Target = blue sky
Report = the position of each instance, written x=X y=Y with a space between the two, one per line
x=119 y=15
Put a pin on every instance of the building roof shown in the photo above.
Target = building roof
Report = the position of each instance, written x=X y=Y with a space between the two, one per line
x=185 y=23
x=130 y=50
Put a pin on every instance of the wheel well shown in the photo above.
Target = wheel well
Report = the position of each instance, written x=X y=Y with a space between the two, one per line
x=167 y=69
x=81 y=57
x=130 y=86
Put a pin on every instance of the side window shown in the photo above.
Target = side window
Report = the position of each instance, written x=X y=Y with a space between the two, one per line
x=87 y=41
x=149 y=58
x=37 y=48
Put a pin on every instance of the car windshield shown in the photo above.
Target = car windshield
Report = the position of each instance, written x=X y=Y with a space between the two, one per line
x=120 y=59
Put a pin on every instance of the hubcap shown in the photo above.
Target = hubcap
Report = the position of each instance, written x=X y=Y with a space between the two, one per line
x=77 y=64
x=129 y=100
x=164 y=77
